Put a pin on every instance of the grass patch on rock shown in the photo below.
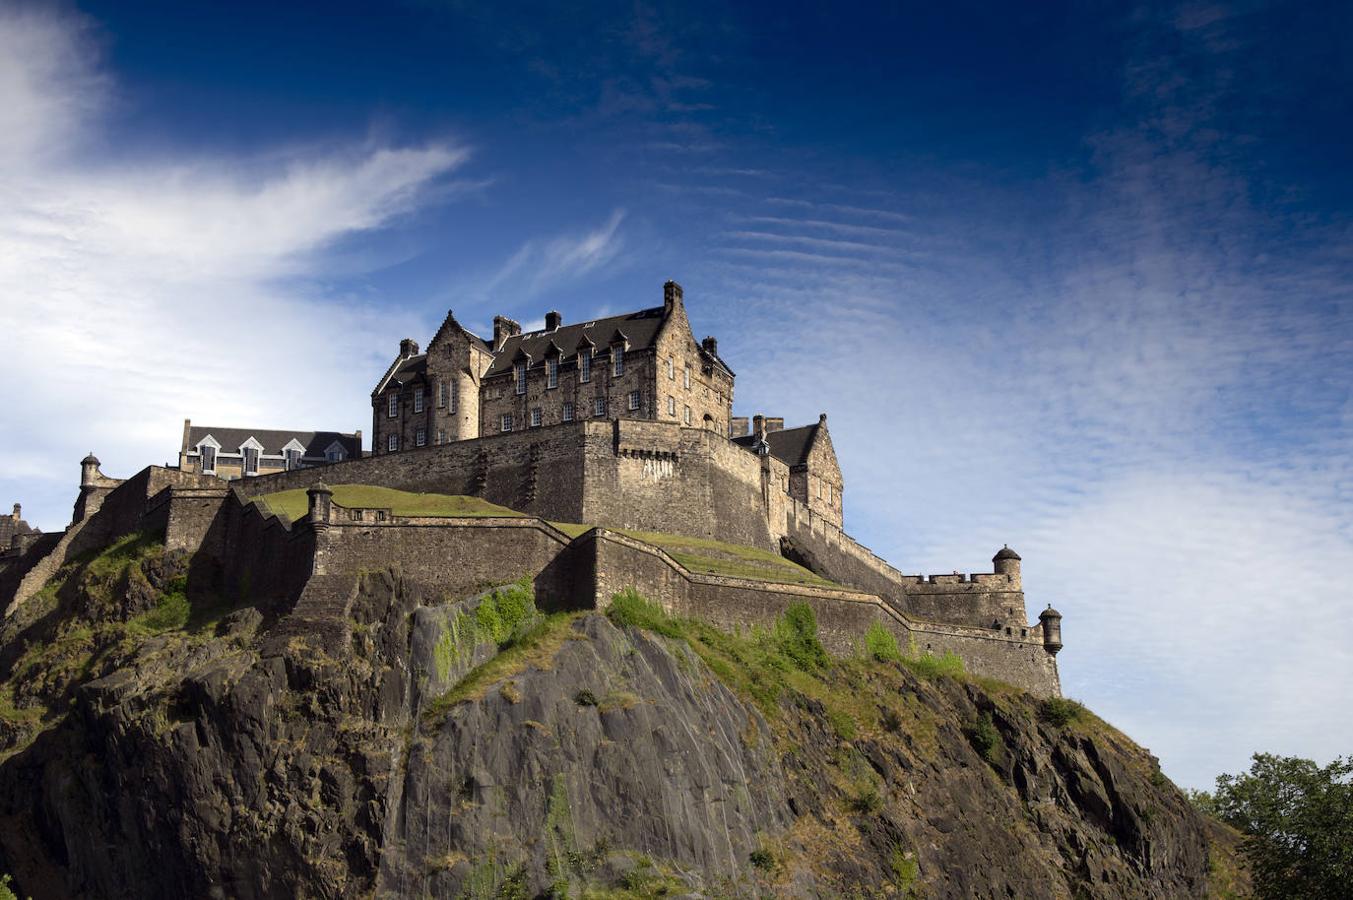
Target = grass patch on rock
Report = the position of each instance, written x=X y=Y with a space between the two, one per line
x=535 y=647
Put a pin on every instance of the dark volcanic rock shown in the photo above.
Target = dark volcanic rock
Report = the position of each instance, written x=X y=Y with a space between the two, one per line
x=244 y=760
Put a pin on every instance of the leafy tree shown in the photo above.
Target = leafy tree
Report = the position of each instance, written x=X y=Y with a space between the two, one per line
x=1298 y=822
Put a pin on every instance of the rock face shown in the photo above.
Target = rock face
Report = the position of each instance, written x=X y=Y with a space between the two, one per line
x=212 y=758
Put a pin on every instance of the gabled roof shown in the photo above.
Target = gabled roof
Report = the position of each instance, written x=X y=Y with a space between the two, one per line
x=789 y=445
x=403 y=371
x=640 y=329
x=314 y=442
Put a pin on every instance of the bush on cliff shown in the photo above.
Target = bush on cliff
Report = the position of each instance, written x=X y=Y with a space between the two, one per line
x=880 y=644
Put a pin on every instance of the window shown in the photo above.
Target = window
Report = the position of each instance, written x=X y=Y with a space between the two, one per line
x=671 y=369
x=568 y=412
x=441 y=394
x=634 y=400
x=829 y=493
x=420 y=437
x=392 y=442
x=686 y=416
x=455 y=392
x=417 y=399
x=334 y=454
x=521 y=378
x=536 y=417
x=250 y=460
x=292 y=458
x=394 y=405
x=599 y=406
x=552 y=372
x=505 y=423
x=585 y=364
x=671 y=407
x=617 y=361
x=208 y=457
x=686 y=378
x=441 y=435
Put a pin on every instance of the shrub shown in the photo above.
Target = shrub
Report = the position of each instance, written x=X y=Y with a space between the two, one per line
x=867 y=798
x=762 y=859
x=630 y=608
x=947 y=665
x=585 y=697
x=796 y=634
x=881 y=644
x=1059 y=711
x=984 y=737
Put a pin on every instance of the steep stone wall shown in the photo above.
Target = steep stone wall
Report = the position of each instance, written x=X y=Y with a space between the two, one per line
x=263 y=559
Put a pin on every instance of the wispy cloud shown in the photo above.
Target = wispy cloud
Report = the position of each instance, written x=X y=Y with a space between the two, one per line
x=147 y=292
x=541 y=263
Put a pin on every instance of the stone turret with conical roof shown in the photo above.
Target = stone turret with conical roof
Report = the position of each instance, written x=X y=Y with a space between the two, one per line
x=1007 y=563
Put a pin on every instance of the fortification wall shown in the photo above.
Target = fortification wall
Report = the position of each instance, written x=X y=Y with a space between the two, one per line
x=263 y=560
x=615 y=562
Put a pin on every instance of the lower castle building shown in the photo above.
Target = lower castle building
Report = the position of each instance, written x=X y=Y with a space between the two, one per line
x=618 y=472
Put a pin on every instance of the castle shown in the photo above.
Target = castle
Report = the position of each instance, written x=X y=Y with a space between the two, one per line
x=623 y=424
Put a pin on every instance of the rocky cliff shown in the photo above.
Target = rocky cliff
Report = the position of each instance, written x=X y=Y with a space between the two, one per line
x=158 y=740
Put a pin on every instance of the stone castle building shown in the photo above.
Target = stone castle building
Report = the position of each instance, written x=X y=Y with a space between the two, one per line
x=622 y=425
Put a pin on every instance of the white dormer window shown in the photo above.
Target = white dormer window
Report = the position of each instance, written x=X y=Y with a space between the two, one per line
x=634 y=401
x=552 y=372
x=521 y=378
x=585 y=364
x=686 y=378
x=208 y=453
x=335 y=452
x=568 y=412
x=617 y=361
x=417 y=399
x=393 y=405
x=442 y=393
x=392 y=442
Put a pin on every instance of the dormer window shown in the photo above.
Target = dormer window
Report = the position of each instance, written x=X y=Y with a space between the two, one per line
x=292 y=458
x=335 y=453
x=393 y=405
x=585 y=364
x=208 y=453
x=617 y=360
x=520 y=370
x=552 y=372
x=250 y=455
x=417 y=399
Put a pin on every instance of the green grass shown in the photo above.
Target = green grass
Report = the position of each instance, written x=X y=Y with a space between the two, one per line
x=295 y=504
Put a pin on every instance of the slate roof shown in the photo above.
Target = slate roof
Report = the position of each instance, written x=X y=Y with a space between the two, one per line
x=639 y=328
x=789 y=445
x=8 y=529
x=315 y=442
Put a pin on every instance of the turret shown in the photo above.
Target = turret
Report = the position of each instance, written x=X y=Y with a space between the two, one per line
x=1052 y=629
x=321 y=502
x=89 y=470
x=1007 y=563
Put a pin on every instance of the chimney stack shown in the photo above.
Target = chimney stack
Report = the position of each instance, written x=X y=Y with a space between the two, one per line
x=671 y=295
x=711 y=346
x=738 y=426
x=774 y=423
x=758 y=424
x=408 y=347
x=503 y=328
x=553 y=320
x=18 y=510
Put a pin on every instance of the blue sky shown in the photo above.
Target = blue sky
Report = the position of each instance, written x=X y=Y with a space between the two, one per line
x=1075 y=278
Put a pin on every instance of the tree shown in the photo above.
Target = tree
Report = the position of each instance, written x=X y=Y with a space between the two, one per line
x=1298 y=821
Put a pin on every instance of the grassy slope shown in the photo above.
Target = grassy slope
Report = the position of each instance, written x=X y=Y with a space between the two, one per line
x=294 y=504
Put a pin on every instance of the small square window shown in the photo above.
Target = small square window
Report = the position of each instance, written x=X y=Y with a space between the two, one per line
x=392 y=442
x=420 y=437
x=599 y=406
x=568 y=412
x=418 y=400
x=394 y=405
x=634 y=400
x=536 y=418
x=505 y=424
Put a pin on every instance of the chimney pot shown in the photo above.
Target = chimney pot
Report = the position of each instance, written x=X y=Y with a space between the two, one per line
x=408 y=347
